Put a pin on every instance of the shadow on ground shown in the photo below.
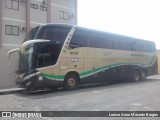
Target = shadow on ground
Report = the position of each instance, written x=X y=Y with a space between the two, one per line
x=81 y=89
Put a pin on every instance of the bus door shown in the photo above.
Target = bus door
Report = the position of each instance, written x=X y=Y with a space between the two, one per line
x=45 y=57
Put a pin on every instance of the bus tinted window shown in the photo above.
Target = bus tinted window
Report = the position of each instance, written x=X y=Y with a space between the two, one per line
x=139 y=46
x=46 y=54
x=144 y=46
x=31 y=34
x=99 y=40
x=151 y=47
x=81 y=38
x=119 y=42
x=115 y=42
x=127 y=44
x=53 y=33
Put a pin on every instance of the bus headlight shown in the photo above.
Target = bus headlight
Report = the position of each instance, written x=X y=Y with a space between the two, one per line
x=28 y=83
x=40 y=77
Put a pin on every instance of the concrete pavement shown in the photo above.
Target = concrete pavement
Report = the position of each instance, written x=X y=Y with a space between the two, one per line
x=117 y=96
x=154 y=77
x=11 y=90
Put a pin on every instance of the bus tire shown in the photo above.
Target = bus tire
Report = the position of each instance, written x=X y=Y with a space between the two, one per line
x=70 y=81
x=135 y=76
x=143 y=75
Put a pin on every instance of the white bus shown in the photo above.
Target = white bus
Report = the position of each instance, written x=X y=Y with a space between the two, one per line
x=55 y=55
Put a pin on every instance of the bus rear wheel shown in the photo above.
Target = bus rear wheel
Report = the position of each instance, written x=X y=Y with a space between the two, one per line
x=143 y=75
x=70 y=82
x=136 y=76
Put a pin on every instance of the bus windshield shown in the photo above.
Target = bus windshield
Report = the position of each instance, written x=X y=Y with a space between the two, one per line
x=31 y=34
x=54 y=33
x=41 y=52
x=26 y=58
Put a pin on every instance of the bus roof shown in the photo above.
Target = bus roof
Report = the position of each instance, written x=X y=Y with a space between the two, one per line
x=94 y=30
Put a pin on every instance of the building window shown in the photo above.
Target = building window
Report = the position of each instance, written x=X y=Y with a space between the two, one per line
x=63 y=15
x=43 y=8
x=12 y=4
x=12 y=30
x=34 y=6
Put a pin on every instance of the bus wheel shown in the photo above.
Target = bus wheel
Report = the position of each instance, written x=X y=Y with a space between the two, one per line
x=143 y=75
x=135 y=76
x=70 y=82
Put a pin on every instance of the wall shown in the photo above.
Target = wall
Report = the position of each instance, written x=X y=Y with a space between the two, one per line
x=7 y=69
x=18 y=18
x=158 y=61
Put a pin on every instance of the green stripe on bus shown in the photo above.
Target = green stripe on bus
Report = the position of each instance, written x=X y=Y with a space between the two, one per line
x=83 y=74
x=52 y=76
x=91 y=71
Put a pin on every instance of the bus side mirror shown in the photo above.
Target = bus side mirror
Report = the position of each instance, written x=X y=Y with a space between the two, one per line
x=12 y=51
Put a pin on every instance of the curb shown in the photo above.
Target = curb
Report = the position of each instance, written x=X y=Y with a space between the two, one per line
x=11 y=91
x=154 y=77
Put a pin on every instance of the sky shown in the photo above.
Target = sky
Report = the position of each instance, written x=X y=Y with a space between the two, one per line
x=135 y=18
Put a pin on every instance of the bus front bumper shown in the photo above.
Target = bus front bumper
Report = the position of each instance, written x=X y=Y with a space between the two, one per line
x=37 y=81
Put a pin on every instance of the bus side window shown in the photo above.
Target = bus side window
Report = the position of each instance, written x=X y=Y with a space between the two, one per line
x=128 y=44
x=114 y=42
x=99 y=40
x=46 y=55
x=44 y=59
x=119 y=43
x=140 y=46
x=150 y=47
x=81 y=38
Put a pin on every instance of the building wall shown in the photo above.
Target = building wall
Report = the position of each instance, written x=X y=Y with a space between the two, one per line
x=65 y=13
x=158 y=62
x=7 y=69
x=13 y=27
x=14 y=17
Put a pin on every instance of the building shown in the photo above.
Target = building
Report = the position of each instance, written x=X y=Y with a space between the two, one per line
x=17 y=17
x=158 y=55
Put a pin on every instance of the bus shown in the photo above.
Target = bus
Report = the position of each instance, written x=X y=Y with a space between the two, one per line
x=61 y=55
